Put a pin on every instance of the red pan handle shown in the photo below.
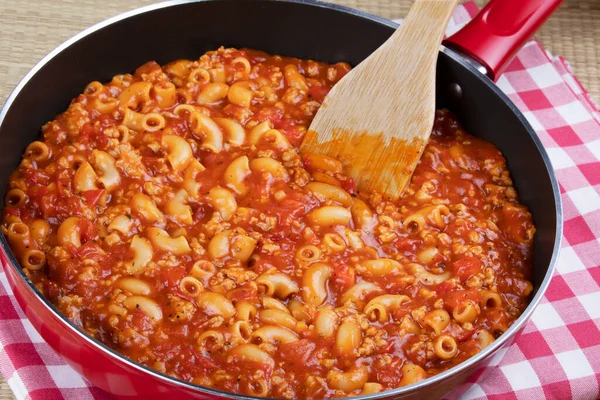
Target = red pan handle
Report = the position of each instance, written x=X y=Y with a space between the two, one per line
x=495 y=35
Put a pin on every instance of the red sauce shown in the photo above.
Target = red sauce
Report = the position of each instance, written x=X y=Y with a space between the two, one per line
x=458 y=238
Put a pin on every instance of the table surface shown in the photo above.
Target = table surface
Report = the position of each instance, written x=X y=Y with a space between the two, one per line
x=31 y=28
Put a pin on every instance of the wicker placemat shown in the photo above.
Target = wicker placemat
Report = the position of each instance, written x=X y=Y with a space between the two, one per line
x=31 y=28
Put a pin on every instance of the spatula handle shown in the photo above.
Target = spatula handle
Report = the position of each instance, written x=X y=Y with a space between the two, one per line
x=429 y=17
x=500 y=29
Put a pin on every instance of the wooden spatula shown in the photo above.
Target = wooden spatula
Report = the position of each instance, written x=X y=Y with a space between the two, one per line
x=377 y=119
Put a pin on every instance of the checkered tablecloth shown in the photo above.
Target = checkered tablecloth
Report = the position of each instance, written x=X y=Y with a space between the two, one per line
x=558 y=354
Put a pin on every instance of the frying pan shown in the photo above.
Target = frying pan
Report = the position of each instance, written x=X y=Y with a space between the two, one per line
x=305 y=29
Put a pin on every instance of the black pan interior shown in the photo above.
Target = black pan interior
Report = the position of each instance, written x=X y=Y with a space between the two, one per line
x=279 y=27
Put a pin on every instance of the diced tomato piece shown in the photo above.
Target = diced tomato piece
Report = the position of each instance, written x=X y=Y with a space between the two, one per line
x=88 y=230
x=179 y=126
x=87 y=129
x=204 y=363
x=465 y=335
x=170 y=277
x=63 y=183
x=294 y=134
x=200 y=212
x=46 y=203
x=211 y=160
x=272 y=114
x=444 y=288
x=284 y=123
x=86 y=132
x=92 y=196
x=91 y=251
x=349 y=186
x=51 y=290
x=36 y=177
x=407 y=245
x=301 y=354
x=63 y=272
x=92 y=137
x=466 y=267
x=141 y=321
x=12 y=210
x=515 y=221
x=390 y=374
x=101 y=140
x=400 y=312
x=496 y=317
x=69 y=206
x=318 y=93
x=154 y=164
x=456 y=298
x=294 y=207
x=291 y=208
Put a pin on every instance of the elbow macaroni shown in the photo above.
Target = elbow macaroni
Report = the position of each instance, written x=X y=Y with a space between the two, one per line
x=236 y=173
x=277 y=284
x=314 y=283
x=163 y=241
x=179 y=152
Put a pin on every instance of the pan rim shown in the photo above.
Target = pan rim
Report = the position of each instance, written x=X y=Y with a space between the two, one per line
x=109 y=352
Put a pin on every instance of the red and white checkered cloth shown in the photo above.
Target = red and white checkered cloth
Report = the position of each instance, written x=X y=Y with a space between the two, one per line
x=558 y=354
